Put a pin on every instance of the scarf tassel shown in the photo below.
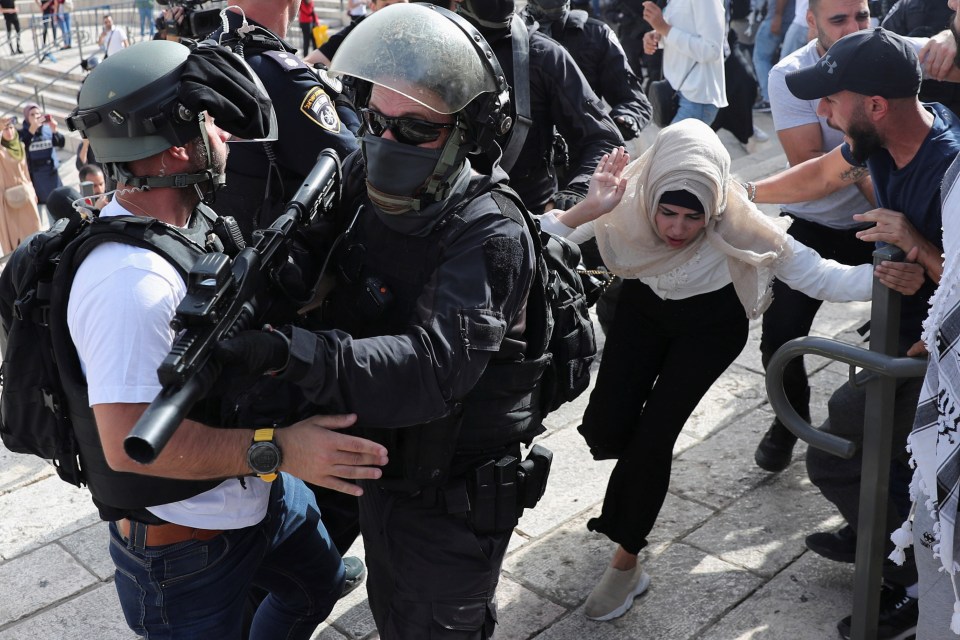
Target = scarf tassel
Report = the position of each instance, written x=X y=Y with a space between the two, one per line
x=902 y=538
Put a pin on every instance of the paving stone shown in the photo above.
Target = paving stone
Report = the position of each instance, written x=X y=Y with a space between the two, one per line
x=58 y=510
x=521 y=612
x=734 y=393
x=95 y=614
x=37 y=580
x=804 y=602
x=721 y=468
x=91 y=547
x=564 y=565
x=18 y=470
x=688 y=591
x=577 y=481
x=764 y=530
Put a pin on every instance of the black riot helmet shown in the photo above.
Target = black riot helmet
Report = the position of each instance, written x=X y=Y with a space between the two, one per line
x=156 y=94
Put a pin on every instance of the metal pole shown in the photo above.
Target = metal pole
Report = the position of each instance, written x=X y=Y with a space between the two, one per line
x=877 y=445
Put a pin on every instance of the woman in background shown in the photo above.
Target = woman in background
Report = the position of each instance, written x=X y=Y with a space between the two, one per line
x=19 y=216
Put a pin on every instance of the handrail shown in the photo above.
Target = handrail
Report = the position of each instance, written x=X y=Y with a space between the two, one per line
x=882 y=364
x=877 y=432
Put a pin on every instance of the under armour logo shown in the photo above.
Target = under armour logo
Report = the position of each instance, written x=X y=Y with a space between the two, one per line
x=828 y=63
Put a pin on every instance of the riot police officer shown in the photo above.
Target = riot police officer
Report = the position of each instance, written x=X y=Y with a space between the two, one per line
x=595 y=48
x=432 y=349
x=262 y=176
x=570 y=130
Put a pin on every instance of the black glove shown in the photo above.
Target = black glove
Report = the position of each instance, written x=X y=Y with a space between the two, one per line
x=255 y=352
x=628 y=125
x=566 y=199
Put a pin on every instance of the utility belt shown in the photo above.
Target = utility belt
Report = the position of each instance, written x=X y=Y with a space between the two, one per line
x=493 y=495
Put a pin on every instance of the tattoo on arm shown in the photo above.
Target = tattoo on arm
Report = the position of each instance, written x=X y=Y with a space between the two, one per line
x=853 y=174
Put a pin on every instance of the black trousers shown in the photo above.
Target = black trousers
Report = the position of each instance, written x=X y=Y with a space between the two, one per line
x=430 y=575
x=660 y=358
x=791 y=313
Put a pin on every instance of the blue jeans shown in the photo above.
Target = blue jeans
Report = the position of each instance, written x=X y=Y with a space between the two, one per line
x=795 y=38
x=146 y=18
x=764 y=49
x=64 y=20
x=696 y=110
x=198 y=589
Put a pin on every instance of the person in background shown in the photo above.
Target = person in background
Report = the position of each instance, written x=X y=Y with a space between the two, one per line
x=12 y=22
x=692 y=36
x=48 y=10
x=307 y=18
x=768 y=40
x=798 y=33
x=145 y=13
x=113 y=38
x=19 y=216
x=63 y=19
x=41 y=138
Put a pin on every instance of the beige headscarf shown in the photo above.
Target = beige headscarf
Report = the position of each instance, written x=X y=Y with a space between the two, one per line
x=689 y=156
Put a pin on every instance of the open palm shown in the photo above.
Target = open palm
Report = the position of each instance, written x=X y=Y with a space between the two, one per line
x=607 y=184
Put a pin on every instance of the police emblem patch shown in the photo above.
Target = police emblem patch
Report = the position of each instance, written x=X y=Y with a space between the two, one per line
x=318 y=107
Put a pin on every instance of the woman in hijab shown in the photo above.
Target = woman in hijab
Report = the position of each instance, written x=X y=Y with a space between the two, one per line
x=18 y=201
x=698 y=260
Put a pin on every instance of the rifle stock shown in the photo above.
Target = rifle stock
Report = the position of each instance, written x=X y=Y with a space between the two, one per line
x=221 y=302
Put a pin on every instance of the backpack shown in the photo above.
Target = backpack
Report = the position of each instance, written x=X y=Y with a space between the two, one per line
x=34 y=416
x=557 y=312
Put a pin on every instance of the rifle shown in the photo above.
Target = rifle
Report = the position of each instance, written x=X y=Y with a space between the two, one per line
x=221 y=301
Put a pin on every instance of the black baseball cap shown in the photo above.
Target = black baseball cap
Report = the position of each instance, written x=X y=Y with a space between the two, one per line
x=871 y=62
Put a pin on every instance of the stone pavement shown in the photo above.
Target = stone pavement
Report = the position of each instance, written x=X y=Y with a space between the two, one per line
x=727 y=557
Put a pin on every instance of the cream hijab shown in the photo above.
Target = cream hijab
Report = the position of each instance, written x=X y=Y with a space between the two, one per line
x=689 y=156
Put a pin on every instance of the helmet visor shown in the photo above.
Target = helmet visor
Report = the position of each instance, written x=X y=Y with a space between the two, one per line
x=414 y=50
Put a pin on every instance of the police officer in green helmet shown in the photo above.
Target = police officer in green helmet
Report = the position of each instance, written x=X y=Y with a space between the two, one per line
x=217 y=512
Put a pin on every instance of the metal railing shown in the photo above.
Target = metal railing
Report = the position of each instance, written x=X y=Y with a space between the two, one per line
x=877 y=431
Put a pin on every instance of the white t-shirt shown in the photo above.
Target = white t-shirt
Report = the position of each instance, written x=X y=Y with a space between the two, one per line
x=835 y=210
x=120 y=306
x=806 y=271
x=800 y=13
x=114 y=39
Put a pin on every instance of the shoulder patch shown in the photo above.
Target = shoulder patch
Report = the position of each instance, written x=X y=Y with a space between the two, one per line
x=318 y=107
x=287 y=61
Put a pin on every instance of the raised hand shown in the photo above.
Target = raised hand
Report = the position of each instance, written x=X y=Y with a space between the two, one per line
x=606 y=189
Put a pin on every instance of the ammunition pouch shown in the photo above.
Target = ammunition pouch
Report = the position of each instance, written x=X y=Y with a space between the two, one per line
x=499 y=490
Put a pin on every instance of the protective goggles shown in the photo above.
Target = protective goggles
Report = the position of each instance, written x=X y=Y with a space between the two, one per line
x=406 y=130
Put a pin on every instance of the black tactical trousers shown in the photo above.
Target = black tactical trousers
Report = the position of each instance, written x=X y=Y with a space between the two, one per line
x=429 y=576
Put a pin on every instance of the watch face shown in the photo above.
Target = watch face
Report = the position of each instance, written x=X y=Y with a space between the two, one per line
x=263 y=457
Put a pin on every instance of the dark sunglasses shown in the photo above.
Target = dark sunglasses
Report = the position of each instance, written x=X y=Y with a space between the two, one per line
x=405 y=130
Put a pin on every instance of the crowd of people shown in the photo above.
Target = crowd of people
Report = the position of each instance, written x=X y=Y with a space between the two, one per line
x=454 y=122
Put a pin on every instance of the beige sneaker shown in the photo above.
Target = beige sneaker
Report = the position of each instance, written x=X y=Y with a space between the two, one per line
x=614 y=594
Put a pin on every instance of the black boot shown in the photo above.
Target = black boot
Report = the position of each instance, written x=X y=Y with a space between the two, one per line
x=776 y=448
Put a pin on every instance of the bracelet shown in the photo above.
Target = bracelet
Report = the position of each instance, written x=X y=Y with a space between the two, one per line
x=751 y=188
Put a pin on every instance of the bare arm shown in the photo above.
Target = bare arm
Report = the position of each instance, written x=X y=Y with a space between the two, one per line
x=310 y=449
x=801 y=143
x=810 y=180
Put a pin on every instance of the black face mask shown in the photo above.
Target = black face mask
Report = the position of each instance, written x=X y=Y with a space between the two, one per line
x=548 y=10
x=397 y=173
x=490 y=17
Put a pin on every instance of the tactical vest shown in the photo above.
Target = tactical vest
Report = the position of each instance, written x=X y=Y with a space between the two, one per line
x=502 y=408
x=118 y=495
